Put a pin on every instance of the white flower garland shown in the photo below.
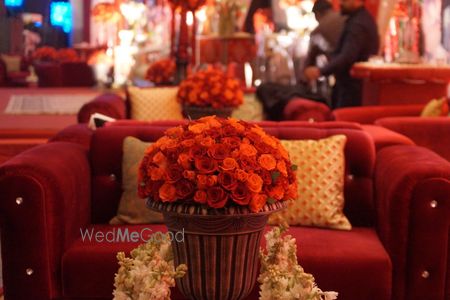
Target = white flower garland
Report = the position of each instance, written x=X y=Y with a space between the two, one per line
x=149 y=273
x=282 y=278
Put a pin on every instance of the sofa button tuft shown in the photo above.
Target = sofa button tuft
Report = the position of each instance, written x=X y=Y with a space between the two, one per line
x=350 y=177
x=112 y=177
x=29 y=271
x=433 y=203
x=19 y=200
x=425 y=274
x=311 y=120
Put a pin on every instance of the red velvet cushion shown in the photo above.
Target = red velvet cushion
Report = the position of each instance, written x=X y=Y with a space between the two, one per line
x=353 y=263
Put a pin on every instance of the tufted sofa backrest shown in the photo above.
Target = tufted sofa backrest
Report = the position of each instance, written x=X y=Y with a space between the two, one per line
x=106 y=162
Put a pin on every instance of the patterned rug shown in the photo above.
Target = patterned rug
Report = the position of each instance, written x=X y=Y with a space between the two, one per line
x=62 y=104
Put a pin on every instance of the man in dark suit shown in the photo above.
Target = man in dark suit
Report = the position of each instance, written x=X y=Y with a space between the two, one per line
x=359 y=40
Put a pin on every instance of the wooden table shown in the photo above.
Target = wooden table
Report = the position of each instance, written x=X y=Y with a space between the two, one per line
x=391 y=84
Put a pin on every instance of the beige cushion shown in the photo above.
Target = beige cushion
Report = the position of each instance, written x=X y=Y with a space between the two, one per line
x=320 y=176
x=151 y=104
x=132 y=209
x=12 y=62
x=435 y=108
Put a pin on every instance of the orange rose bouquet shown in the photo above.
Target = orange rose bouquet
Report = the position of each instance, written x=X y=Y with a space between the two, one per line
x=45 y=54
x=161 y=71
x=210 y=88
x=218 y=163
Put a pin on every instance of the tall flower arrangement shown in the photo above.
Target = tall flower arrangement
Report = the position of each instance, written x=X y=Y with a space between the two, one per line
x=45 y=54
x=282 y=278
x=217 y=163
x=210 y=88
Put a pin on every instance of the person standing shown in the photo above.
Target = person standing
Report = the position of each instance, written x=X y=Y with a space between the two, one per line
x=325 y=37
x=359 y=40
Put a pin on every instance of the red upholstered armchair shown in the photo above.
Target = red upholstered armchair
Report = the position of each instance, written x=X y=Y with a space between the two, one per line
x=396 y=199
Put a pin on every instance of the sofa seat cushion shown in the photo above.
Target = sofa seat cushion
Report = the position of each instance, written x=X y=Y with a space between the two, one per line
x=353 y=263
x=383 y=137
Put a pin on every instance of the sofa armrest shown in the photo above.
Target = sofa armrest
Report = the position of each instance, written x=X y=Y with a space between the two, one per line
x=412 y=187
x=430 y=132
x=45 y=201
x=110 y=105
x=79 y=134
x=369 y=114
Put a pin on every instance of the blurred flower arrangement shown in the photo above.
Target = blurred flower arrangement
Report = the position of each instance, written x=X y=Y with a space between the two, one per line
x=287 y=3
x=149 y=273
x=105 y=13
x=281 y=277
x=210 y=88
x=45 y=54
x=50 y=54
x=161 y=71
x=218 y=163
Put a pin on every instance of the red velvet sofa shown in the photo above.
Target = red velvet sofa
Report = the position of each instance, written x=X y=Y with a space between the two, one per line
x=66 y=74
x=397 y=200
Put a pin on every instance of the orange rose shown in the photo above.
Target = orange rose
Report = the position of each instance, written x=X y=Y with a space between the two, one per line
x=269 y=141
x=185 y=161
x=241 y=175
x=207 y=142
x=189 y=175
x=281 y=166
x=227 y=180
x=211 y=121
x=283 y=152
x=188 y=143
x=157 y=174
x=276 y=192
x=247 y=150
x=258 y=201
x=159 y=158
x=267 y=161
x=229 y=164
x=198 y=127
x=200 y=196
x=228 y=94
x=167 y=192
x=254 y=183
x=175 y=132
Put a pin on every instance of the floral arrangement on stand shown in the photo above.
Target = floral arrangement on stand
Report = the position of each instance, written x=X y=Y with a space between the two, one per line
x=105 y=12
x=210 y=88
x=282 y=278
x=45 y=54
x=161 y=71
x=149 y=273
x=218 y=163
x=50 y=54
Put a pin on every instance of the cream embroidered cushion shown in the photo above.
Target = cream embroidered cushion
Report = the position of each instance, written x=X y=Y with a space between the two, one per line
x=320 y=175
x=151 y=104
x=132 y=209
x=12 y=62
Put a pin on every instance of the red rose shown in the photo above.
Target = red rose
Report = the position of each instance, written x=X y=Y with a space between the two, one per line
x=197 y=151
x=263 y=148
x=253 y=136
x=219 y=151
x=227 y=180
x=185 y=188
x=232 y=141
x=175 y=172
x=217 y=197
x=249 y=164
x=229 y=130
x=241 y=195
x=266 y=177
x=206 y=165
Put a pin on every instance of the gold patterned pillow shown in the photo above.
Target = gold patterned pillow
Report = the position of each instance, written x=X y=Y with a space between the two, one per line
x=320 y=176
x=151 y=104
x=132 y=209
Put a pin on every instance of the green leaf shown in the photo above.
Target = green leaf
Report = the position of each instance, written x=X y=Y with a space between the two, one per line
x=275 y=175
x=294 y=167
x=270 y=200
